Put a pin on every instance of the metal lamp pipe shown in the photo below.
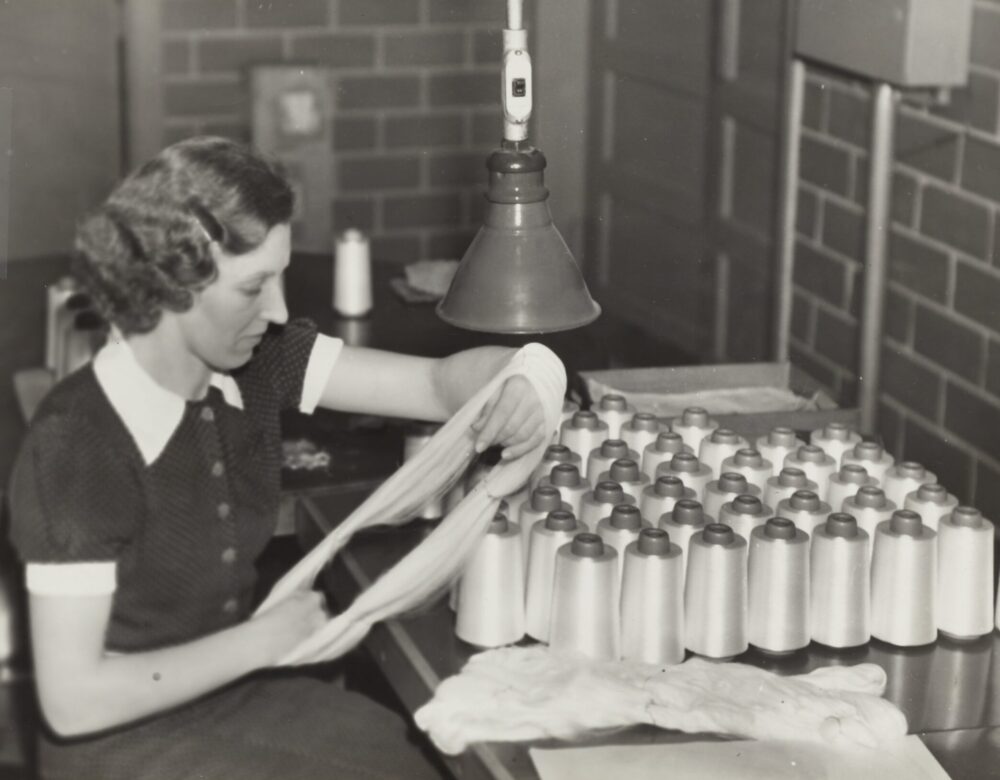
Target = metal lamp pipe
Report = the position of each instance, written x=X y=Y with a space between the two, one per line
x=876 y=240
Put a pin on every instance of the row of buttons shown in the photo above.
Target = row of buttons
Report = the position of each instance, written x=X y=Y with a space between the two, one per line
x=224 y=510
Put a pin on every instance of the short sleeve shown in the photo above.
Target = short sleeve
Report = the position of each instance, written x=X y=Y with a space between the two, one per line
x=73 y=498
x=281 y=361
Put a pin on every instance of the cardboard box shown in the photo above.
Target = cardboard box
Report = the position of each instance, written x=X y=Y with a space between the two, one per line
x=666 y=391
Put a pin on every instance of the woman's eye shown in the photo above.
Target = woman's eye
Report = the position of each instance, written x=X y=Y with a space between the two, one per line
x=253 y=292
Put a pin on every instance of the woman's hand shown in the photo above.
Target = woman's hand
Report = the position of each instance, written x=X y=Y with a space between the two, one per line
x=512 y=418
x=289 y=622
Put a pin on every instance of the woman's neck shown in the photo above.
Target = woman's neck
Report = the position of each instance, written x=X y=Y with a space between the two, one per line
x=163 y=355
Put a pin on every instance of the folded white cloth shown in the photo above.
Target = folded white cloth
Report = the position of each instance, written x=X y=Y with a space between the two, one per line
x=526 y=693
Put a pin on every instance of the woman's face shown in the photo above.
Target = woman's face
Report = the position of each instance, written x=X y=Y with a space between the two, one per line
x=229 y=317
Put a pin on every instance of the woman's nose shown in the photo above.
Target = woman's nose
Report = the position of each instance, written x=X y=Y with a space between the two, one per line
x=275 y=309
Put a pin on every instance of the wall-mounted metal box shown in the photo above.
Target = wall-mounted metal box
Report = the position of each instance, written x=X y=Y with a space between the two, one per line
x=908 y=43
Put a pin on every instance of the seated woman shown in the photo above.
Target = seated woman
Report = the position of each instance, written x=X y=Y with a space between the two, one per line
x=148 y=484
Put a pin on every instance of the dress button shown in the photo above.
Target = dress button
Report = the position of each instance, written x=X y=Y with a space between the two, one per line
x=229 y=555
x=207 y=414
x=218 y=468
x=223 y=509
x=230 y=606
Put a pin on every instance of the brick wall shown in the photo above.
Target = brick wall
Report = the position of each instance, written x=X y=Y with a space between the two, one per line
x=940 y=401
x=415 y=94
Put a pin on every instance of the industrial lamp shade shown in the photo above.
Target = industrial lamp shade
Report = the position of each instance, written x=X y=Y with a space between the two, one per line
x=518 y=275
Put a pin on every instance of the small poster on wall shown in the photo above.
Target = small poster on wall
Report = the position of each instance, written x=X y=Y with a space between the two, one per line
x=292 y=122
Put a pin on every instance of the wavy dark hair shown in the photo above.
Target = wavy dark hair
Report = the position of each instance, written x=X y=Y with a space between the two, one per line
x=148 y=247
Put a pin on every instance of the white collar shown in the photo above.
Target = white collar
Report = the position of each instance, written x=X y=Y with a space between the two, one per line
x=150 y=412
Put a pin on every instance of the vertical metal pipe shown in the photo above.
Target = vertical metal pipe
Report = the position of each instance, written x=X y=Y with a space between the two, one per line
x=791 y=133
x=876 y=243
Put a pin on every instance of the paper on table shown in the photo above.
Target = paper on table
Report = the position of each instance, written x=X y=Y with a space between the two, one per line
x=906 y=759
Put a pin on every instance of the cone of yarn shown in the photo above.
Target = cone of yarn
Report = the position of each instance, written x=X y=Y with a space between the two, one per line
x=599 y=502
x=726 y=488
x=491 y=589
x=744 y=513
x=692 y=472
x=640 y=431
x=904 y=564
x=778 y=587
x=786 y=482
x=586 y=618
x=751 y=465
x=583 y=432
x=715 y=593
x=872 y=456
x=626 y=473
x=620 y=529
x=846 y=483
x=547 y=536
x=566 y=478
x=840 y=583
x=965 y=574
x=817 y=465
x=904 y=478
x=776 y=445
x=652 y=607
x=721 y=444
x=614 y=411
x=805 y=509
x=660 y=497
x=693 y=425
x=686 y=519
x=834 y=439
x=931 y=502
x=601 y=458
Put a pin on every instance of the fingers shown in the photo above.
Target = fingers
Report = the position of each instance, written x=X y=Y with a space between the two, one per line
x=497 y=417
x=515 y=420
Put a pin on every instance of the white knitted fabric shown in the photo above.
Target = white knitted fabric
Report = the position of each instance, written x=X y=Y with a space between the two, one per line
x=440 y=557
x=526 y=693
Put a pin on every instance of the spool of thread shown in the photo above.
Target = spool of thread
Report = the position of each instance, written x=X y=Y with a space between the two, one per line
x=693 y=425
x=689 y=470
x=601 y=458
x=777 y=445
x=744 y=513
x=547 y=536
x=614 y=410
x=662 y=450
x=686 y=519
x=565 y=477
x=352 y=274
x=869 y=507
x=625 y=472
x=491 y=590
x=585 y=618
x=514 y=501
x=904 y=563
x=846 y=483
x=620 y=529
x=415 y=438
x=788 y=480
x=840 y=583
x=965 y=574
x=543 y=501
x=599 y=502
x=751 y=465
x=817 y=465
x=904 y=478
x=660 y=497
x=652 y=608
x=721 y=444
x=805 y=509
x=931 y=502
x=569 y=408
x=834 y=439
x=715 y=593
x=582 y=433
x=726 y=488
x=640 y=432
x=554 y=454
x=778 y=587
x=869 y=454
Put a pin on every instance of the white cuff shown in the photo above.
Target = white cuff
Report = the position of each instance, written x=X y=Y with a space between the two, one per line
x=71 y=579
x=325 y=352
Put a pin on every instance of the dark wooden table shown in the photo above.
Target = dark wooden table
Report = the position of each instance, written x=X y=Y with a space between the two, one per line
x=949 y=691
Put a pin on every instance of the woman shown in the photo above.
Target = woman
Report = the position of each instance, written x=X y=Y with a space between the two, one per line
x=149 y=483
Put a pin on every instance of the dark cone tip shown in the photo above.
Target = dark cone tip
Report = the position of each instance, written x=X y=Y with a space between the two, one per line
x=792 y=477
x=626 y=517
x=747 y=505
x=725 y=436
x=810 y=453
x=587 y=545
x=558 y=452
x=868 y=450
x=936 y=493
x=747 y=457
x=624 y=470
x=644 y=421
x=779 y=528
x=669 y=486
x=731 y=482
x=614 y=448
x=607 y=492
x=967 y=517
x=853 y=473
x=696 y=416
x=584 y=419
x=718 y=533
x=613 y=402
x=565 y=475
x=499 y=524
x=903 y=521
x=654 y=541
x=842 y=524
x=668 y=441
x=804 y=499
x=545 y=499
x=837 y=431
x=560 y=520
x=909 y=468
x=781 y=437
x=870 y=496
x=684 y=461
x=688 y=512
